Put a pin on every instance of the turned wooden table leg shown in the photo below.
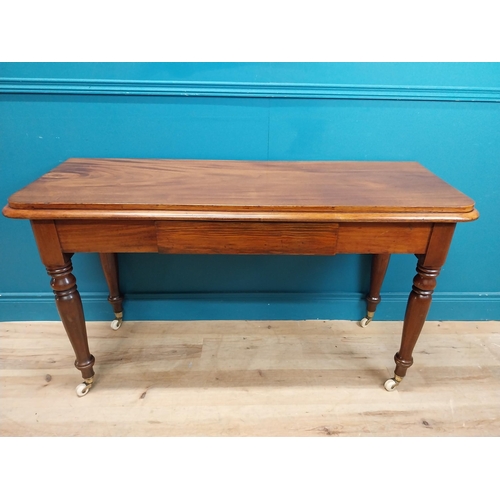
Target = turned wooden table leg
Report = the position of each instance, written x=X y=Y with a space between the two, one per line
x=109 y=262
x=379 y=268
x=428 y=268
x=68 y=301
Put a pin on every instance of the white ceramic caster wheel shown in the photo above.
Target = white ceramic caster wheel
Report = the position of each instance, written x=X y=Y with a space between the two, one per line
x=116 y=323
x=82 y=389
x=364 y=322
x=390 y=385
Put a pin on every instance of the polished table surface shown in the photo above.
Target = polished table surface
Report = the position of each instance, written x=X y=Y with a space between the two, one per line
x=240 y=207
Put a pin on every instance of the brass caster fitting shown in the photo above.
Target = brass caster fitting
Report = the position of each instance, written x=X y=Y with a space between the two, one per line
x=83 y=388
x=391 y=384
x=367 y=319
x=116 y=323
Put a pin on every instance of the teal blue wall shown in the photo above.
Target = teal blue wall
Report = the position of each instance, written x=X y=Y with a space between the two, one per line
x=445 y=116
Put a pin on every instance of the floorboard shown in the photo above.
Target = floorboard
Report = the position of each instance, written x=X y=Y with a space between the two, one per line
x=251 y=378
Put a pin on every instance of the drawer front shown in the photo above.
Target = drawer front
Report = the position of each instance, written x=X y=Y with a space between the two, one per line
x=247 y=238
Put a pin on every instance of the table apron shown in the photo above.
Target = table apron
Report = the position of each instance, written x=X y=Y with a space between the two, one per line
x=235 y=237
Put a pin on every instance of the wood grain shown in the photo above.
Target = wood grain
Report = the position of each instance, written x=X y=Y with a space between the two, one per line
x=109 y=263
x=256 y=215
x=47 y=241
x=439 y=244
x=247 y=238
x=383 y=238
x=107 y=236
x=67 y=297
x=125 y=184
x=251 y=378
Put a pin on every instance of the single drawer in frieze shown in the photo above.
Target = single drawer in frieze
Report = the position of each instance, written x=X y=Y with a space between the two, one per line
x=233 y=237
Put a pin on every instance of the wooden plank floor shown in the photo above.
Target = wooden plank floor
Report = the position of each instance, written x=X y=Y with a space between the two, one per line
x=251 y=378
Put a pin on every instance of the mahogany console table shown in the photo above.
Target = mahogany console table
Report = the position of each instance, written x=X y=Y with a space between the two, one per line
x=240 y=207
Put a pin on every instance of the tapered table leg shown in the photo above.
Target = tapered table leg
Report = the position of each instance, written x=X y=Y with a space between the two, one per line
x=68 y=301
x=417 y=308
x=109 y=262
x=379 y=268
x=428 y=268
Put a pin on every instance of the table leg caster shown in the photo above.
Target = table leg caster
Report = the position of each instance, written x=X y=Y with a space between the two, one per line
x=367 y=319
x=116 y=323
x=83 y=388
x=391 y=384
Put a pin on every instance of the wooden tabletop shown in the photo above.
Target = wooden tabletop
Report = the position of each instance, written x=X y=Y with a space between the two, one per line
x=82 y=188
